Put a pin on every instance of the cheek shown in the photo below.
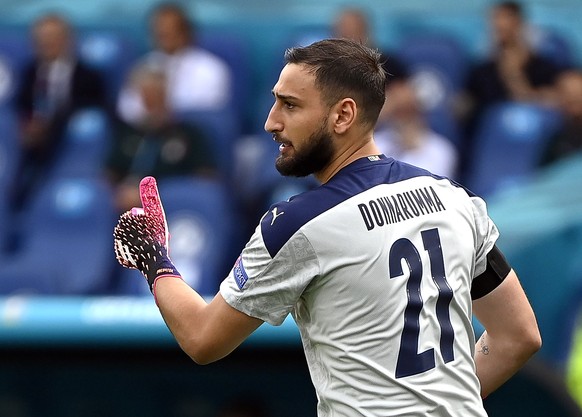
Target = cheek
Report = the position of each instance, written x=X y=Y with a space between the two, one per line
x=299 y=134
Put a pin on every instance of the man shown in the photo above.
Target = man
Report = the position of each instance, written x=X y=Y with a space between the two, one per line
x=158 y=144
x=54 y=85
x=513 y=72
x=402 y=132
x=381 y=266
x=197 y=79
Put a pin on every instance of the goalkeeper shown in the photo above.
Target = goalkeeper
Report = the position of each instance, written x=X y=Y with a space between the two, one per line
x=382 y=266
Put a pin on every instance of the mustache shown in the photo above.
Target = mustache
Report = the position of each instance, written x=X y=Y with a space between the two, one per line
x=280 y=139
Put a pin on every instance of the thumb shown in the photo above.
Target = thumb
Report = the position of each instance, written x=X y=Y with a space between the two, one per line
x=152 y=207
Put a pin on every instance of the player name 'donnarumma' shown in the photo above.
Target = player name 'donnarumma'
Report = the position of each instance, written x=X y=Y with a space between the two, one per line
x=400 y=207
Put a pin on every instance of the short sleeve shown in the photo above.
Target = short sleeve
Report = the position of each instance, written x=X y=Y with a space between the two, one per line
x=486 y=234
x=268 y=287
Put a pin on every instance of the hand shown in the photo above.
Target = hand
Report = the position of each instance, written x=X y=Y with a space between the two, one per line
x=141 y=236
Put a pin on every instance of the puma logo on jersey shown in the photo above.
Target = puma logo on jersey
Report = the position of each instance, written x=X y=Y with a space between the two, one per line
x=275 y=215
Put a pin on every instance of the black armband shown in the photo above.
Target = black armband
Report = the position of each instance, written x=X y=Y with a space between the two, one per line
x=496 y=271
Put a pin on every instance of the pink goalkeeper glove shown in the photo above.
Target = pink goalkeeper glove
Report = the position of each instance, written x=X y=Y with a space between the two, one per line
x=141 y=236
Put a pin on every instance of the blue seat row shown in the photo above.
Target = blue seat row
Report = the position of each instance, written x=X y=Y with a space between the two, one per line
x=66 y=240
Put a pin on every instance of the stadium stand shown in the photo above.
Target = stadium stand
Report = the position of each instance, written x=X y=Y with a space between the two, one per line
x=9 y=154
x=85 y=145
x=509 y=141
x=234 y=51
x=112 y=52
x=15 y=50
x=201 y=221
x=538 y=212
x=222 y=128
x=65 y=241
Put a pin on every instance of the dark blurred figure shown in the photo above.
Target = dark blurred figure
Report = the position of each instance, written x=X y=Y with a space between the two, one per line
x=568 y=139
x=353 y=23
x=196 y=78
x=54 y=86
x=156 y=144
x=513 y=72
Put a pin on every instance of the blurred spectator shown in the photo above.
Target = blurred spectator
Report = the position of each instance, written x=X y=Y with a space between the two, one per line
x=514 y=71
x=54 y=85
x=402 y=133
x=156 y=144
x=568 y=139
x=352 y=23
x=197 y=79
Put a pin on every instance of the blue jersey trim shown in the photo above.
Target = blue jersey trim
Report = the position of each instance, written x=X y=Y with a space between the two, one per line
x=284 y=219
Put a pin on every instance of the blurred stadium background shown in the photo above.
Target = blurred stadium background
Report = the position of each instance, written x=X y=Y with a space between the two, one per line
x=79 y=337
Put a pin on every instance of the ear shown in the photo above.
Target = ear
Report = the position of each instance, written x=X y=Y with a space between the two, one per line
x=345 y=112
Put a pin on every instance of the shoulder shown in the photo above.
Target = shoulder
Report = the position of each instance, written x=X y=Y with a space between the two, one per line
x=286 y=218
x=201 y=55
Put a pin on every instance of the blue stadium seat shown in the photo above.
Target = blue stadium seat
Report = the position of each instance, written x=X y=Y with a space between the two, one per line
x=222 y=129
x=201 y=220
x=554 y=45
x=86 y=142
x=508 y=145
x=9 y=156
x=235 y=52
x=438 y=65
x=15 y=51
x=66 y=245
x=112 y=52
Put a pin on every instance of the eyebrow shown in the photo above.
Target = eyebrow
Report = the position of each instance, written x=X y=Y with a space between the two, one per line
x=283 y=96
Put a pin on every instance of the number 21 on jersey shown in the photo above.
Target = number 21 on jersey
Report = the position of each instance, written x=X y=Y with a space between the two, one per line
x=410 y=361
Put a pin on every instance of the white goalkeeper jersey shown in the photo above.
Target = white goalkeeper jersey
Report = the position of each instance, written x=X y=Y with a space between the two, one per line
x=376 y=268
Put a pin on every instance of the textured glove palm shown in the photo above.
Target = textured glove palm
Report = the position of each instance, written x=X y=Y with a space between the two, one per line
x=137 y=247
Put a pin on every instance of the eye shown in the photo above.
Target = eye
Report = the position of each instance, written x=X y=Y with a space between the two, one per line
x=288 y=105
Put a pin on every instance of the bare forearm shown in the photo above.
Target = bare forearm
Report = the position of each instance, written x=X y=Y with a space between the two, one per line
x=182 y=309
x=499 y=360
x=207 y=332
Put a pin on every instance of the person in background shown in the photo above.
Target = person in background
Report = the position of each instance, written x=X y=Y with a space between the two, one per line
x=157 y=144
x=196 y=78
x=513 y=72
x=382 y=266
x=353 y=23
x=55 y=84
x=568 y=139
x=402 y=133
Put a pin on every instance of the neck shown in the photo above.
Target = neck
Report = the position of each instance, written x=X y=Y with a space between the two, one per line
x=346 y=156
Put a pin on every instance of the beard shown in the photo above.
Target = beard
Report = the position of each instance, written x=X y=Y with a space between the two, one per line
x=314 y=157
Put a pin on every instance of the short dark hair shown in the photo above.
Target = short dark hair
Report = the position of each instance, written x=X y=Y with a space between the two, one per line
x=345 y=68
x=56 y=18
x=512 y=7
x=185 y=23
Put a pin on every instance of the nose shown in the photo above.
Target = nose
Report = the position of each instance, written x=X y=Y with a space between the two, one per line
x=272 y=124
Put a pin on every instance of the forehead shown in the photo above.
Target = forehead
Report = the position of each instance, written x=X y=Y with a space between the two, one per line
x=50 y=25
x=168 y=19
x=297 y=81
